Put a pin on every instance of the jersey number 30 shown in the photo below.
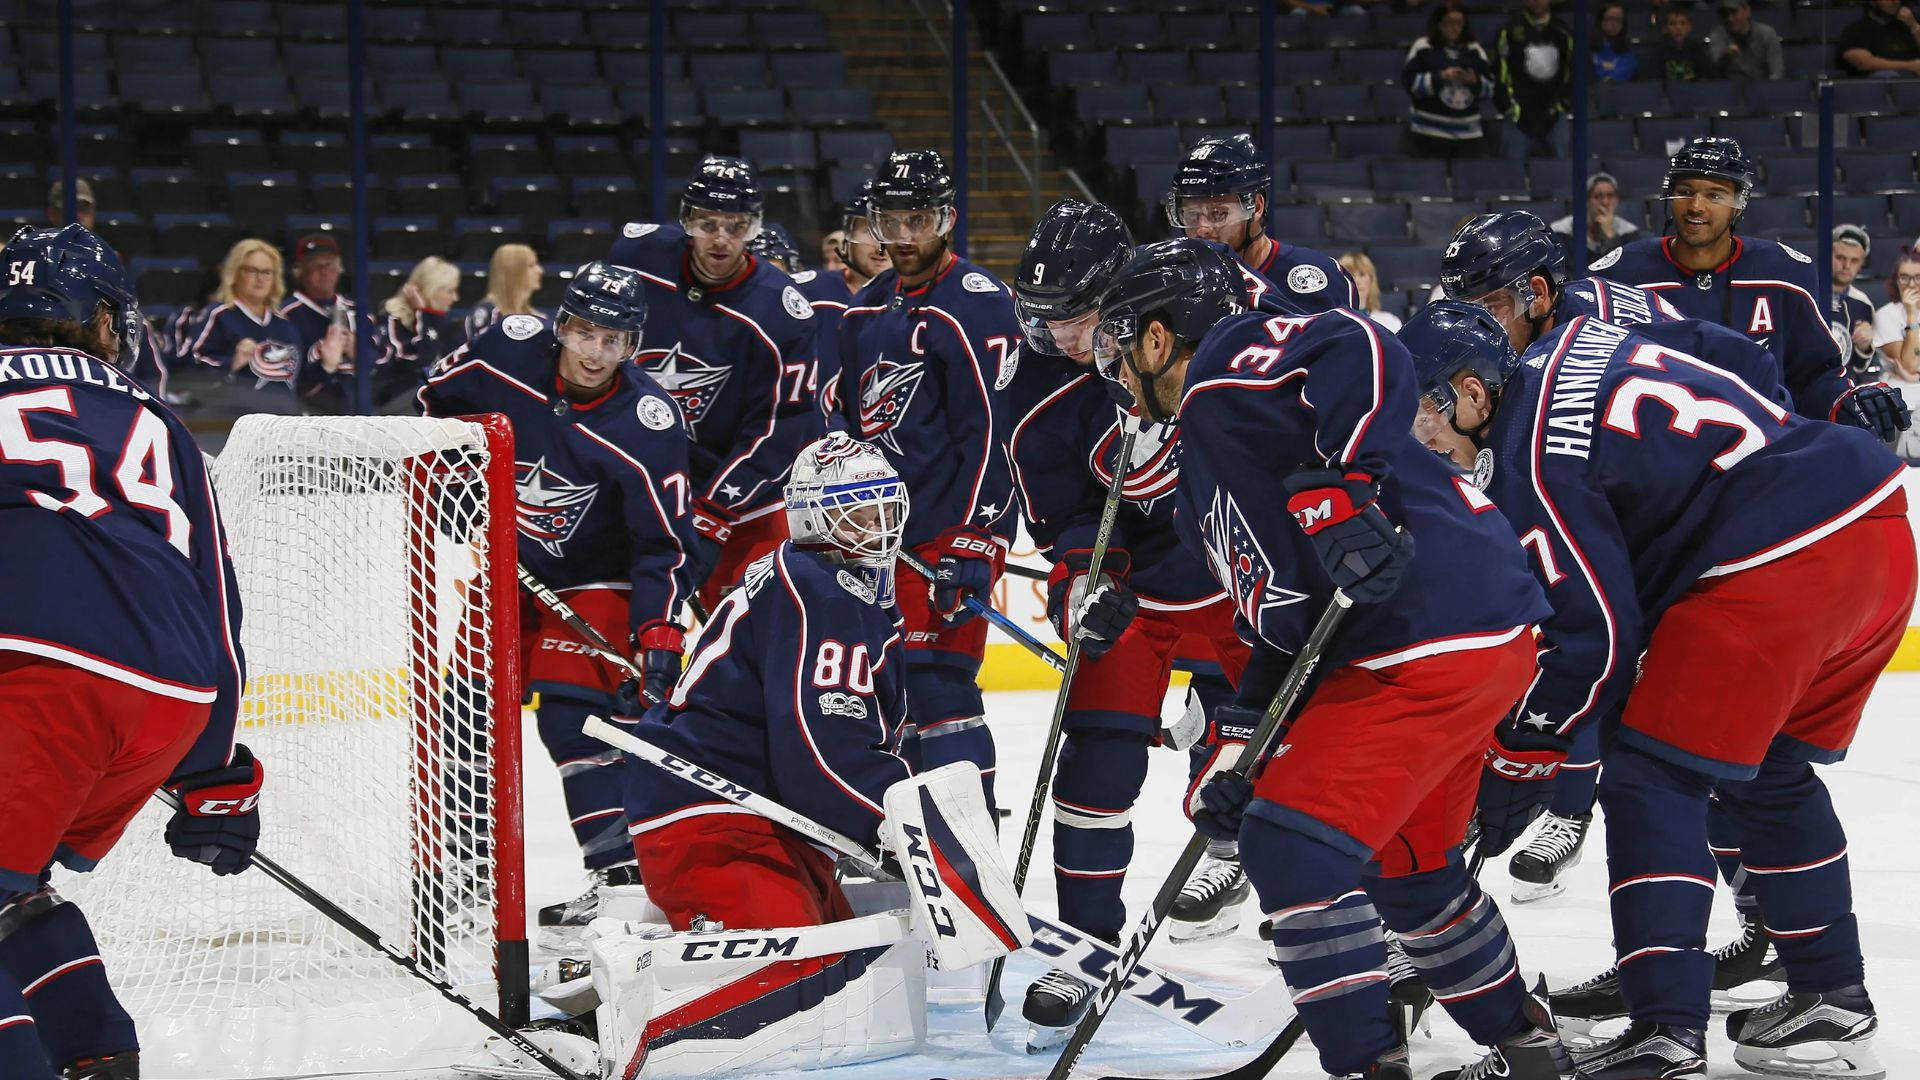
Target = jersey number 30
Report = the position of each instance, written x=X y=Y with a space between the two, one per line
x=144 y=473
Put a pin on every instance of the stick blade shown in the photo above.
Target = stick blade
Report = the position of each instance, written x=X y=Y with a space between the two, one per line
x=996 y=1003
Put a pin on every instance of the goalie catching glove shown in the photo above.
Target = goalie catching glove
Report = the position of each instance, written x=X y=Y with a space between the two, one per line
x=1517 y=782
x=218 y=822
x=959 y=892
x=1098 y=614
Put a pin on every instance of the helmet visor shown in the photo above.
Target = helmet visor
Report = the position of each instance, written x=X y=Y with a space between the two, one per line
x=591 y=341
x=1071 y=337
x=714 y=224
x=909 y=226
x=1434 y=417
x=1212 y=213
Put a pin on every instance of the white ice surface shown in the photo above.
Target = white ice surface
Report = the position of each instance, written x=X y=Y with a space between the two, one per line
x=1567 y=937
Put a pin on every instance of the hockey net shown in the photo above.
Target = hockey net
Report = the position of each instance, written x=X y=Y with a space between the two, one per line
x=375 y=557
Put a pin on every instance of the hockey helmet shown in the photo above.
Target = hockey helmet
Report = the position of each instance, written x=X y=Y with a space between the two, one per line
x=1216 y=167
x=1716 y=158
x=605 y=296
x=911 y=200
x=65 y=273
x=725 y=185
x=774 y=242
x=1188 y=284
x=1070 y=259
x=1502 y=251
x=1446 y=338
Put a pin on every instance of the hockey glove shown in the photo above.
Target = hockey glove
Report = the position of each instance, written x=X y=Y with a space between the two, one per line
x=1216 y=801
x=1875 y=406
x=1517 y=782
x=656 y=652
x=219 y=821
x=1098 y=615
x=967 y=561
x=712 y=528
x=1358 y=547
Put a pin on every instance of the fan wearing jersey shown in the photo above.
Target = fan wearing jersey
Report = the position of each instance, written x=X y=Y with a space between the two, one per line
x=244 y=336
x=1299 y=475
x=601 y=474
x=107 y=691
x=929 y=346
x=1763 y=289
x=735 y=343
x=1220 y=193
x=1673 y=514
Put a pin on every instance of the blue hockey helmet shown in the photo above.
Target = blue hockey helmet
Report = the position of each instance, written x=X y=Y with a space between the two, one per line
x=65 y=273
x=1502 y=251
x=1070 y=259
x=725 y=185
x=1446 y=338
x=1220 y=166
x=775 y=243
x=1190 y=285
x=607 y=296
x=911 y=200
x=1716 y=158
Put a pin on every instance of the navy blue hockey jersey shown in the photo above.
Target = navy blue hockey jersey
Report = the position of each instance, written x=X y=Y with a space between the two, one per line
x=1064 y=448
x=740 y=360
x=828 y=293
x=116 y=559
x=602 y=486
x=312 y=319
x=924 y=371
x=280 y=357
x=1266 y=394
x=1655 y=319
x=1303 y=279
x=796 y=689
x=1630 y=470
x=1764 y=290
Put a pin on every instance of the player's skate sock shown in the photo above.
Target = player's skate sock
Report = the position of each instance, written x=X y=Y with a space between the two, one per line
x=1574 y=784
x=589 y=780
x=19 y=1035
x=48 y=953
x=1795 y=855
x=1661 y=886
x=1328 y=939
x=1455 y=937
x=952 y=720
x=1723 y=840
x=1094 y=788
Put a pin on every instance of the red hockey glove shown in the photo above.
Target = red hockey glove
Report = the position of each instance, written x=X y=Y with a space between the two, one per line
x=219 y=821
x=1358 y=547
x=967 y=561
x=656 y=652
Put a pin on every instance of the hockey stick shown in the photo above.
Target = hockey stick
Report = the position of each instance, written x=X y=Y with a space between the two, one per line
x=591 y=637
x=1256 y=750
x=993 y=615
x=1028 y=572
x=1228 y=1022
x=1037 y=806
x=1259 y=1067
x=365 y=933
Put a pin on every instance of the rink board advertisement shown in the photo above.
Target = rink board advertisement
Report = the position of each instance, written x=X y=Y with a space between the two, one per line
x=1010 y=667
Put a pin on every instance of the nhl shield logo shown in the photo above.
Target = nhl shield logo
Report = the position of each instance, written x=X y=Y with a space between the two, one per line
x=693 y=382
x=547 y=507
x=886 y=391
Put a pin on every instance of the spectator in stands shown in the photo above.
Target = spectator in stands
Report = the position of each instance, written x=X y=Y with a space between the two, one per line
x=1448 y=75
x=82 y=203
x=324 y=319
x=513 y=277
x=1366 y=284
x=245 y=335
x=830 y=251
x=1744 y=49
x=1613 y=57
x=1678 y=56
x=1533 y=64
x=1896 y=326
x=1850 y=314
x=418 y=326
x=1884 y=43
x=1606 y=228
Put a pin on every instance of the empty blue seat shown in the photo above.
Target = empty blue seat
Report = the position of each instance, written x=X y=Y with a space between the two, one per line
x=1705 y=97
x=823 y=105
x=1083 y=67
x=478 y=64
x=428 y=99
x=859 y=148
x=1411 y=176
x=1110 y=104
x=318 y=21
x=1891 y=132
x=1436 y=220
x=384 y=61
x=719 y=70
x=816 y=67
x=239 y=55
x=792 y=30
x=1792 y=173
x=1244 y=101
x=1337 y=101
x=469 y=25
x=1860 y=97
x=1332 y=179
x=1658 y=133
x=1628 y=99
x=328 y=59
x=559 y=65
x=1127 y=30
x=1155 y=68
x=260 y=95
x=844 y=180
x=1304 y=140
x=397 y=22
x=1369 y=65
x=1186 y=104
x=547 y=26
x=1238 y=67
x=152 y=52
x=1299 y=223
x=1045 y=31
x=780 y=151
x=1638 y=175
x=1300 y=66
x=1402 y=266
x=1196 y=29
x=161 y=91
x=1882 y=171
x=758 y=106
x=1772 y=214
x=1371 y=140
x=590 y=104
x=1366 y=223
x=1758 y=135
x=1906 y=213
x=1869 y=210
x=1155 y=142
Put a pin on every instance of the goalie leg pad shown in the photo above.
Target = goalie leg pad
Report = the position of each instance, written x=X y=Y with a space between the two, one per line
x=738 y=869
x=1094 y=789
x=1456 y=938
x=696 y=1005
x=48 y=954
x=964 y=903
x=590 y=778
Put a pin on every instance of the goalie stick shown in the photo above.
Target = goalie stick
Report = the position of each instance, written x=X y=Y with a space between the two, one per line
x=1257 y=749
x=1233 y=1022
x=351 y=925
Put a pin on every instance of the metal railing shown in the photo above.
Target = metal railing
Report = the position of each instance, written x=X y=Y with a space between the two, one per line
x=1027 y=164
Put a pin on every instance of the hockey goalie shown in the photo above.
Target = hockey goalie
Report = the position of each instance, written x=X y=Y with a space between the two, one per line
x=795 y=694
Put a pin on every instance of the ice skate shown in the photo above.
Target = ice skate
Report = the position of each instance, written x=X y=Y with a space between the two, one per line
x=1392 y=1065
x=1209 y=906
x=562 y=924
x=1580 y=1008
x=1646 y=1051
x=1407 y=993
x=122 y=1066
x=1749 y=958
x=1534 y=1054
x=1809 y=1034
x=1055 y=1003
x=1539 y=870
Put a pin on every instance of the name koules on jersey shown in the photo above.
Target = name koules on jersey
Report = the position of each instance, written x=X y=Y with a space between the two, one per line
x=548 y=508
x=886 y=392
x=694 y=383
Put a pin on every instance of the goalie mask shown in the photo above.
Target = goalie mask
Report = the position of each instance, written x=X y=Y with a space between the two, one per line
x=845 y=500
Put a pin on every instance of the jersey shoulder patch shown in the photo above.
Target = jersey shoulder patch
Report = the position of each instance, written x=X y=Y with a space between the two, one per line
x=1009 y=365
x=657 y=415
x=795 y=304
x=520 y=327
x=1792 y=254
x=978 y=282
x=637 y=229
x=805 y=276
x=1606 y=260
x=1306 y=279
x=855 y=586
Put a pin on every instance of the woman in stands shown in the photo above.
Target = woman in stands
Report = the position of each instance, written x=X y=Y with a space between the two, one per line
x=1448 y=75
x=1366 y=284
x=418 y=326
x=244 y=334
x=512 y=279
x=1613 y=57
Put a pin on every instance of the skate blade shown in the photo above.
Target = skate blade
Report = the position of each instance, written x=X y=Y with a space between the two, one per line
x=565 y=940
x=1221 y=925
x=1749 y=995
x=1579 y=1033
x=1853 y=1060
x=1042 y=1039
x=1528 y=892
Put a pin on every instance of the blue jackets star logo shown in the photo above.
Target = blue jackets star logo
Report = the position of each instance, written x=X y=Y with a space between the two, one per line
x=1154 y=468
x=548 y=508
x=694 y=383
x=1239 y=563
x=886 y=391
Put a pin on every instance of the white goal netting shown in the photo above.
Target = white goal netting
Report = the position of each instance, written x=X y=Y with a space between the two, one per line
x=369 y=567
